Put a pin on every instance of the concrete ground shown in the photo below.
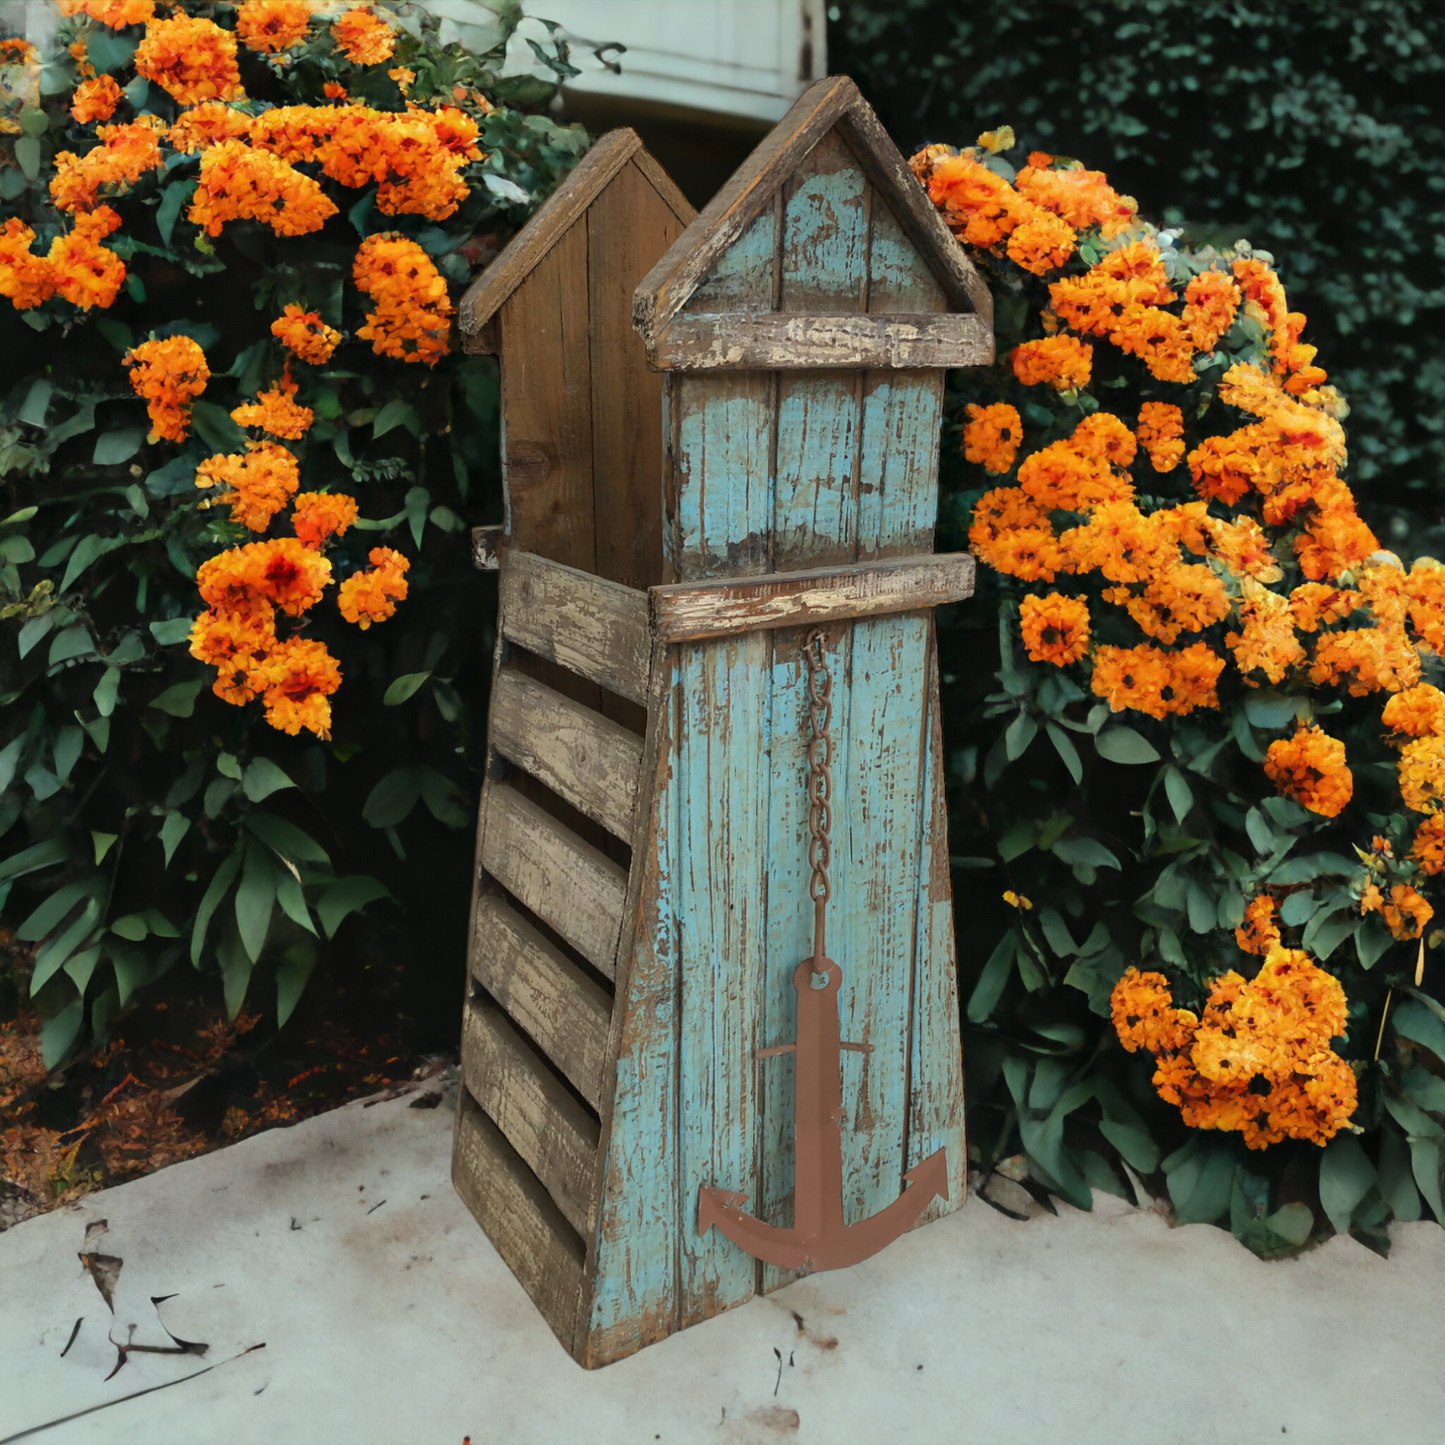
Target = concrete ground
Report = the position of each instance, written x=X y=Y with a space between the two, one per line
x=387 y=1319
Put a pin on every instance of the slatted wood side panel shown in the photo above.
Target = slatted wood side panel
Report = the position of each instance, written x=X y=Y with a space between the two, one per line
x=524 y=1224
x=552 y=1133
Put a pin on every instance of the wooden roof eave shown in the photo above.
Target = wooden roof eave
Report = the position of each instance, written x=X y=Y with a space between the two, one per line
x=525 y=251
x=833 y=101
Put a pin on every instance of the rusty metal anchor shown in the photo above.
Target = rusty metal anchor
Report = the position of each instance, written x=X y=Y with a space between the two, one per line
x=819 y=1238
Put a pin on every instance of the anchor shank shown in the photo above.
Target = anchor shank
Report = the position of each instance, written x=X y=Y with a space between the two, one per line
x=817 y=1104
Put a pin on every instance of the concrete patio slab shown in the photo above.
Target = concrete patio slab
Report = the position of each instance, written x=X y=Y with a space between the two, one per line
x=387 y=1319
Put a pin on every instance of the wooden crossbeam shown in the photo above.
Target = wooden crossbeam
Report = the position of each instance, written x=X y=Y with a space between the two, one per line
x=690 y=611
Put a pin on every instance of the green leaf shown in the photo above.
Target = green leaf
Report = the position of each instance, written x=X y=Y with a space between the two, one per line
x=51 y=912
x=175 y=827
x=255 y=899
x=263 y=778
x=1203 y=911
x=88 y=550
x=65 y=749
x=404 y=687
x=1424 y=1089
x=58 y=1032
x=178 y=701
x=1345 y=1178
x=344 y=897
x=74 y=641
x=1292 y=1222
x=131 y=971
x=1260 y=833
x=1133 y=1142
x=991 y=980
x=1396 y=1182
x=1298 y=909
x=172 y=631
x=1270 y=710
x=397 y=412
x=173 y=200
x=1179 y=793
x=1425 y=1159
x=218 y=794
x=30 y=860
x=287 y=840
x=106 y=691
x=52 y=956
x=1200 y=1177
x=1021 y=732
x=1124 y=745
x=108 y=49
x=446 y=519
x=104 y=842
x=1412 y=1020
x=441 y=796
x=393 y=798
x=418 y=499
x=292 y=900
x=1056 y=932
x=1372 y=938
x=10 y=760
x=36 y=404
x=1064 y=746
x=1087 y=851
x=1018 y=840
x=228 y=767
x=16 y=550
x=132 y=926
x=215 y=428
x=112 y=448
x=33 y=121
x=27 y=156
x=34 y=630
x=292 y=974
x=235 y=971
x=216 y=891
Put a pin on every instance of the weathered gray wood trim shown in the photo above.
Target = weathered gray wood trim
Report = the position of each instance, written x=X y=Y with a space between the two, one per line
x=567 y=883
x=788 y=341
x=567 y=1012
x=582 y=756
x=553 y=1133
x=588 y=625
x=691 y=611
x=520 y=1218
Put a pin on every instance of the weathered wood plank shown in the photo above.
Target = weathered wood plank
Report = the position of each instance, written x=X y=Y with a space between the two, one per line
x=628 y=227
x=547 y=398
x=549 y=1129
x=567 y=883
x=582 y=622
x=520 y=1218
x=785 y=341
x=898 y=498
x=584 y=757
x=689 y=611
x=899 y=280
x=633 y=1261
x=721 y=777
x=824 y=253
x=935 y=1083
x=566 y=1011
x=587 y=179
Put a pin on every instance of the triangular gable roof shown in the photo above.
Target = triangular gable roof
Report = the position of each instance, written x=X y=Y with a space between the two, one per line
x=832 y=102
x=587 y=180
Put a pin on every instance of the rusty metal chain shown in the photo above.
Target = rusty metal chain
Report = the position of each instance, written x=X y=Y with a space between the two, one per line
x=820 y=781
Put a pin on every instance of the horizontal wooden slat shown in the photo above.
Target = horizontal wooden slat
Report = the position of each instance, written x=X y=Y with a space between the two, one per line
x=553 y=1133
x=785 y=340
x=567 y=1012
x=567 y=883
x=530 y=1233
x=584 y=623
x=685 y=611
x=588 y=759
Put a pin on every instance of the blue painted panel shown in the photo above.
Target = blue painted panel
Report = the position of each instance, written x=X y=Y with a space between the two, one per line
x=825 y=233
x=743 y=277
x=898 y=478
x=898 y=278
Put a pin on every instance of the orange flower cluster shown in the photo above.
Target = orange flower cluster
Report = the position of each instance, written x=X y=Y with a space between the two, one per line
x=240 y=183
x=115 y=13
x=208 y=124
x=17 y=52
x=1310 y=768
x=271 y=26
x=1161 y=434
x=1259 y=933
x=1062 y=362
x=95 y=99
x=86 y=273
x=413 y=311
x=1158 y=683
x=259 y=482
x=372 y=594
x=1055 y=628
x=316 y=517
x=191 y=59
x=25 y=279
x=305 y=335
x=276 y=413
x=363 y=38
x=991 y=436
x=1257 y=1062
x=169 y=374
x=125 y=153
x=243 y=590
x=1405 y=912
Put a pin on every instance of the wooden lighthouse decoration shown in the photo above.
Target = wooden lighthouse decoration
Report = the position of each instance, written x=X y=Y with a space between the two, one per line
x=675 y=1095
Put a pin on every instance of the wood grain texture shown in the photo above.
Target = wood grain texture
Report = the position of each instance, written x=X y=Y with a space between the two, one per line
x=554 y=1135
x=633 y=1260
x=567 y=883
x=584 y=757
x=565 y=1010
x=547 y=404
x=628 y=227
x=936 y=1118
x=690 y=611
x=898 y=492
x=582 y=622
x=520 y=1218
x=782 y=341
x=531 y=245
